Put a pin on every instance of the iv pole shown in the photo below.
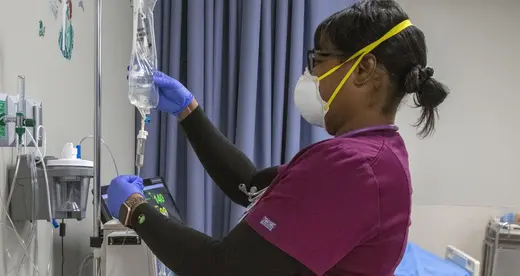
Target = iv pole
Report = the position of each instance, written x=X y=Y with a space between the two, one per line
x=96 y=239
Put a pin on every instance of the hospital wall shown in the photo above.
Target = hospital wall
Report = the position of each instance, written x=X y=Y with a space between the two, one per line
x=66 y=88
x=468 y=171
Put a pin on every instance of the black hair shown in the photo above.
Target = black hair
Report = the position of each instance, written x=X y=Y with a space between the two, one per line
x=403 y=55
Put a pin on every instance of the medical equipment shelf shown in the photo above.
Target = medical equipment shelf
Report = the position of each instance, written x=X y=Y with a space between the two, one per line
x=504 y=240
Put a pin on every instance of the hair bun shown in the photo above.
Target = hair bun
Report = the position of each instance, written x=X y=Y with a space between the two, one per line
x=417 y=78
x=428 y=71
x=429 y=93
x=425 y=75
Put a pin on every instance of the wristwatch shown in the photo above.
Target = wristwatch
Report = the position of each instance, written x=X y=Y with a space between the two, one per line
x=127 y=208
x=187 y=111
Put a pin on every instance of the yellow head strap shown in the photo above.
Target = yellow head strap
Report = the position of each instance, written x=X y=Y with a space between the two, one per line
x=360 y=54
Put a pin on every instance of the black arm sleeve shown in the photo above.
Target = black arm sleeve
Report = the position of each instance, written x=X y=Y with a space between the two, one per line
x=190 y=253
x=225 y=163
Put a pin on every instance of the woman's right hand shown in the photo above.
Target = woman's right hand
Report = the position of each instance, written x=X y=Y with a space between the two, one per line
x=173 y=96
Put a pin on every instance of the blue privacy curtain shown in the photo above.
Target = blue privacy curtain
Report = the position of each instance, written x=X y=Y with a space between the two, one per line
x=241 y=60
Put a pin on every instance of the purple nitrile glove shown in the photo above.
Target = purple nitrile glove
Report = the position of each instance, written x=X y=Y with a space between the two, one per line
x=173 y=96
x=120 y=189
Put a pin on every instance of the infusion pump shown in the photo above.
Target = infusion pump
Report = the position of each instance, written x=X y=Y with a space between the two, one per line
x=124 y=253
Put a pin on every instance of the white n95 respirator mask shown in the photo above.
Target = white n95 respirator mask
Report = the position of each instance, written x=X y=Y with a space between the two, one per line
x=308 y=99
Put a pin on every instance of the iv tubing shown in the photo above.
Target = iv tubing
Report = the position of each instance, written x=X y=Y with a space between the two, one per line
x=35 y=203
x=7 y=226
x=26 y=248
x=21 y=108
x=49 y=205
x=84 y=263
x=34 y=183
x=13 y=183
x=51 y=249
x=22 y=259
x=20 y=240
x=48 y=198
x=106 y=146
x=44 y=139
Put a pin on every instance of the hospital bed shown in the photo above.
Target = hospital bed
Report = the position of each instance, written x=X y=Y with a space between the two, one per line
x=419 y=262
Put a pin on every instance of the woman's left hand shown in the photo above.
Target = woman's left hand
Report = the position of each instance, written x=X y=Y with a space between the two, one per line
x=120 y=189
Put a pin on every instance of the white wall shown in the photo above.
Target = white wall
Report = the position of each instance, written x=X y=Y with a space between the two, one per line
x=66 y=88
x=467 y=172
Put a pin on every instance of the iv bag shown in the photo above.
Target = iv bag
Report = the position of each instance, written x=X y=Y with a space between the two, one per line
x=141 y=90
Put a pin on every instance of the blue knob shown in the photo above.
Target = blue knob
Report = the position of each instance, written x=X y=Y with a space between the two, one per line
x=55 y=223
x=147 y=119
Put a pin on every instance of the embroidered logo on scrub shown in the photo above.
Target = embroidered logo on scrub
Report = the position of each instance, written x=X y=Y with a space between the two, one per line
x=267 y=223
x=141 y=219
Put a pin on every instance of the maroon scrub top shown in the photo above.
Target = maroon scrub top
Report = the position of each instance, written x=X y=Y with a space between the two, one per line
x=341 y=206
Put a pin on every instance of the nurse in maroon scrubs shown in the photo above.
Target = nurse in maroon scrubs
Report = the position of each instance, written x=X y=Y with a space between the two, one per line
x=340 y=206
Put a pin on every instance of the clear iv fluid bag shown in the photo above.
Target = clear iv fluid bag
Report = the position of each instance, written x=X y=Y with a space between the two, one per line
x=141 y=91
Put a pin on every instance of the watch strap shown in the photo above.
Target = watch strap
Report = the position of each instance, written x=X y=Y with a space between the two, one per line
x=187 y=111
x=131 y=204
x=133 y=201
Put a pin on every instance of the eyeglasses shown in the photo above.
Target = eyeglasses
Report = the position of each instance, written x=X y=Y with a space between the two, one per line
x=312 y=54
